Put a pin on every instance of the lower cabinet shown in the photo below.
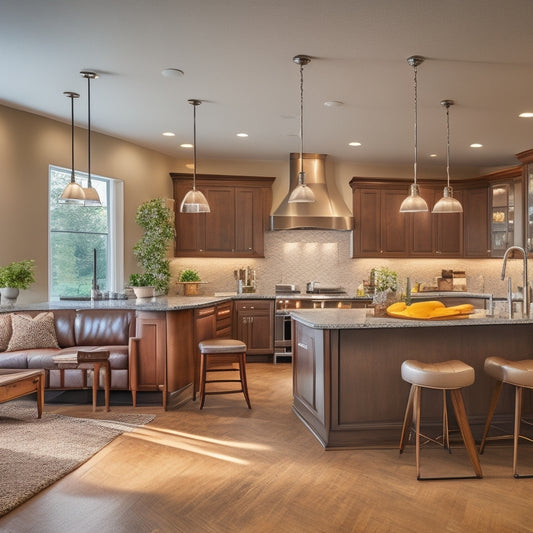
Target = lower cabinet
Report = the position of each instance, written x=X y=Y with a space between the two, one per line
x=254 y=325
x=223 y=320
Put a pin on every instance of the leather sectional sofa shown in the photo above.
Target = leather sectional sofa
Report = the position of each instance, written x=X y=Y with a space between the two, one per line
x=83 y=329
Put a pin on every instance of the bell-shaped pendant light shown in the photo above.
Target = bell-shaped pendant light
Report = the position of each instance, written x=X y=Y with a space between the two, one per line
x=302 y=193
x=91 y=194
x=194 y=201
x=73 y=193
x=414 y=203
x=448 y=204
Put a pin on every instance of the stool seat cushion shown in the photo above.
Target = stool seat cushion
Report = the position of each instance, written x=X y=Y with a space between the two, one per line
x=518 y=373
x=222 y=346
x=444 y=375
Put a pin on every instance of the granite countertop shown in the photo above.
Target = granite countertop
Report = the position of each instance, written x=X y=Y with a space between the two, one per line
x=364 y=319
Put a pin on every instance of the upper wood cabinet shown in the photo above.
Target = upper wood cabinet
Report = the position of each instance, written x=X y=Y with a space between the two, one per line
x=235 y=227
x=382 y=231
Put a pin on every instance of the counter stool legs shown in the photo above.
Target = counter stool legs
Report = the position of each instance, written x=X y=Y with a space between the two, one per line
x=519 y=374
x=449 y=376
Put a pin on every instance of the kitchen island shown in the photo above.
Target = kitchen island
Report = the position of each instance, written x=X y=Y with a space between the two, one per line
x=347 y=383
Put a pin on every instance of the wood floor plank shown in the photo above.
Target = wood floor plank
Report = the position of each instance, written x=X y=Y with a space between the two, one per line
x=230 y=469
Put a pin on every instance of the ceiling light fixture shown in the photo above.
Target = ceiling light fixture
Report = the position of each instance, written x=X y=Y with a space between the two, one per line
x=172 y=73
x=73 y=193
x=168 y=134
x=414 y=203
x=448 y=204
x=526 y=114
x=194 y=201
x=354 y=143
x=243 y=135
x=91 y=194
x=476 y=145
x=302 y=193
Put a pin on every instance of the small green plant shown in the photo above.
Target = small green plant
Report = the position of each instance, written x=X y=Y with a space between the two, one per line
x=189 y=275
x=142 y=280
x=385 y=279
x=17 y=275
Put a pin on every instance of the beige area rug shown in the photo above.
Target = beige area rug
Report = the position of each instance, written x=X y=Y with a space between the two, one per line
x=36 y=452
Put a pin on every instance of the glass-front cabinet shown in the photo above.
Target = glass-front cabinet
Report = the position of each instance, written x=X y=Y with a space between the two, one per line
x=502 y=217
x=529 y=225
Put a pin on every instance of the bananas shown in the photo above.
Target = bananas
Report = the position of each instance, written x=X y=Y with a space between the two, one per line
x=428 y=310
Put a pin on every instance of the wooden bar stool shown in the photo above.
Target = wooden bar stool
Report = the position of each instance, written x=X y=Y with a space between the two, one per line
x=520 y=375
x=223 y=349
x=446 y=376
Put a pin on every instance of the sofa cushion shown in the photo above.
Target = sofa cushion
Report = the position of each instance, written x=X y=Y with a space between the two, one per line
x=103 y=327
x=5 y=331
x=32 y=332
x=14 y=360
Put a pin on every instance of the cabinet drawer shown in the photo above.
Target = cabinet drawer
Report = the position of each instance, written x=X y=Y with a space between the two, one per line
x=224 y=323
x=254 y=305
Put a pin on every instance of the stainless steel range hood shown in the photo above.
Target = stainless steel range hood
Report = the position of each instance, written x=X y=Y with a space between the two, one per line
x=328 y=211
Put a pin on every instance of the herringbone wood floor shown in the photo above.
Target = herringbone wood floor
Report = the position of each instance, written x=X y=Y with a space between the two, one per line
x=230 y=469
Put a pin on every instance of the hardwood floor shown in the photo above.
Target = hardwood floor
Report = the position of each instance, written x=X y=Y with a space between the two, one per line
x=230 y=469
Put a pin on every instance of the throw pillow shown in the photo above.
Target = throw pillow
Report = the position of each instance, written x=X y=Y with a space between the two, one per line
x=32 y=332
x=5 y=331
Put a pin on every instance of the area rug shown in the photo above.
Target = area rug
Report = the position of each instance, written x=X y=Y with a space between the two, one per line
x=36 y=452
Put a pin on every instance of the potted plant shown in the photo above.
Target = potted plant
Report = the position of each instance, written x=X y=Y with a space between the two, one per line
x=14 y=277
x=190 y=280
x=157 y=221
x=386 y=285
x=143 y=285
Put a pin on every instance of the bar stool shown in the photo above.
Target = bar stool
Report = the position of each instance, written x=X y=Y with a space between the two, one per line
x=223 y=349
x=520 y=375
x=446 y=376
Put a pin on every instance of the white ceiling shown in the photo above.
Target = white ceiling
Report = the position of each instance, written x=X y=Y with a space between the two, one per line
x=236 y=56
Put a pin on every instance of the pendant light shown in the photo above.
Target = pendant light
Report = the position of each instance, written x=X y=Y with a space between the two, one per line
x=302 y=193
x=91 y=194
x=194 y=201
x=73 y=193
x=448 y=204
x=414 y=203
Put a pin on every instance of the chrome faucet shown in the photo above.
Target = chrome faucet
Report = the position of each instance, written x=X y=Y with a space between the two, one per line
x=525 y=283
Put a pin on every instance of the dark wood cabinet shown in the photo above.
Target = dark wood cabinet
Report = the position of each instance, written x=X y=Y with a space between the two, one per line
x=476 y=221
x=223 y=315
x=240 y=209
x=382 y=231
x=254 y=325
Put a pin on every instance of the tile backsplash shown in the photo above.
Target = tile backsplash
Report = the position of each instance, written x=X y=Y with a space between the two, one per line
x=300 y=256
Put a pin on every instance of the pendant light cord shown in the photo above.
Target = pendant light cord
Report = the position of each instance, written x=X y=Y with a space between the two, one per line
x=194 y=148
x=448 y=143
x=89 y=185
x=416 y=122
x=301 y=117
x=72 y=175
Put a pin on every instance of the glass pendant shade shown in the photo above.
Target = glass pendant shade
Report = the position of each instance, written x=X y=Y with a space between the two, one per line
x=448 y=204
x=194 y=201
x=92 y=198
x=73 y=193
x=414 y=203
x=302 y=193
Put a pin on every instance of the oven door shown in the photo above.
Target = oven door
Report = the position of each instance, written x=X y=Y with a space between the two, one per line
x=282 y=336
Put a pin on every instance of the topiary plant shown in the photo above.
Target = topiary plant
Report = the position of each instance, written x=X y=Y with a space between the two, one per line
x=17 y=275
x=157 y=221
x=189 y=275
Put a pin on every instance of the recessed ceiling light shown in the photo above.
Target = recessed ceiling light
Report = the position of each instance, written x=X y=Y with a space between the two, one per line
x=354 y=143
x=168 y=134
x=476 y=145
x=432 y=155
x=242 y=135
x=172 y=73
x=333 y=103
x=186 y=145
x=526 y=115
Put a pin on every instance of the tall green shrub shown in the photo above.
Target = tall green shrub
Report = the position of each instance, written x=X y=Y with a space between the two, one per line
x=157 y=221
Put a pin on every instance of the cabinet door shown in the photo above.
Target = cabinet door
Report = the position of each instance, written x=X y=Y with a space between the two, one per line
x=448 y=230
x=421 y=228
x=150 y=371
x=255 y=326
x=394 y=225
x=220 y=222
x=249 y=221
x=476 y=222
x=190 y=227
x=367 y=217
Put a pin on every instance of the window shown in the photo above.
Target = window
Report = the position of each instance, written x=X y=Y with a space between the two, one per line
x=82 y=237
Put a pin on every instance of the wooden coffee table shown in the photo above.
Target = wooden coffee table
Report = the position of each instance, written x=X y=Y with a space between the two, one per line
x=89 y=360
x=15 y=383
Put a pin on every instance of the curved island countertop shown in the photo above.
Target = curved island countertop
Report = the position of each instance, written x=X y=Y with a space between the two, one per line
x=364 y=319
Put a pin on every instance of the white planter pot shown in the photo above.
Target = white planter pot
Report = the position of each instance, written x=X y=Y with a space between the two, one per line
x=143 y=292
x=9 y=295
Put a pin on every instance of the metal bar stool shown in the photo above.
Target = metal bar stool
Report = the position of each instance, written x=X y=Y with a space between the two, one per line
x=446 y=376
x=223 y=349
x=520 y=375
